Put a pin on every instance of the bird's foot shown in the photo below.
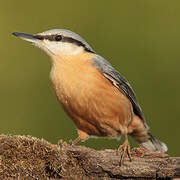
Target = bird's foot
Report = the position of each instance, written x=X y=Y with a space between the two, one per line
x=72 y=143
x=62 y=143
x=123 y=150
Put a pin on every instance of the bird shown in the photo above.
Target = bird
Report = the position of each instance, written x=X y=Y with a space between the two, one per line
x=98 y=99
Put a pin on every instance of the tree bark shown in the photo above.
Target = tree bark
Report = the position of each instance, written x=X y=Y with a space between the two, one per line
x=24 y=157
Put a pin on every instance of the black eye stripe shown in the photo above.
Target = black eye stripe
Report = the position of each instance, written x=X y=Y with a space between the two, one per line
x=58 y=37
x=71 y=40
x=47 y=37
x=39 y=37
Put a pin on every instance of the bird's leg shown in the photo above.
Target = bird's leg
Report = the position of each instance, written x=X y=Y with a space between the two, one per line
x=82 y=136
x=124 y=149
x=77 y=140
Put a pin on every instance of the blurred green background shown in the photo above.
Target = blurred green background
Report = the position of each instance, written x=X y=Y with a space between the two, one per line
x=140 y=38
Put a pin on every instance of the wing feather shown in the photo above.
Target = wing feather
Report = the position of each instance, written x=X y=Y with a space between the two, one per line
x=120 y=82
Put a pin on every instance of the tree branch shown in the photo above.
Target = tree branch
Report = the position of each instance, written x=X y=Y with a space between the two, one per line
x=30 y=158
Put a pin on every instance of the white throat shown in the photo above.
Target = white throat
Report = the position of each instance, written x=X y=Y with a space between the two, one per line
x=54 y=48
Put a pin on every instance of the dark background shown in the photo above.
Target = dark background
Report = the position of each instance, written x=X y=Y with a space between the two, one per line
x=140 y=38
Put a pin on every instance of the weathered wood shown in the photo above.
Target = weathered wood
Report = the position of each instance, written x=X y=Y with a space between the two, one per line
x=30 y=158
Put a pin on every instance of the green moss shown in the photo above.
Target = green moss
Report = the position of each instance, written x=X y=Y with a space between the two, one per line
x=28 y=157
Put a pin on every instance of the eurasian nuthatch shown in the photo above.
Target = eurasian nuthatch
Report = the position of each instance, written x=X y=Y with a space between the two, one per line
x=95 y=95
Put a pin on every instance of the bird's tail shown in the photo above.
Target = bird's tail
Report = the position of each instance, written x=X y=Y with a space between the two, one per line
x=154 y=144
x=139 y=131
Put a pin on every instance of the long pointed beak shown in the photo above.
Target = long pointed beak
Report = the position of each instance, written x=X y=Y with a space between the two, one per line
x=28 y=37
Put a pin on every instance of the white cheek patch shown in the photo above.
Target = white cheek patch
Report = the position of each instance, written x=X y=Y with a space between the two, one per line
x=63 y=48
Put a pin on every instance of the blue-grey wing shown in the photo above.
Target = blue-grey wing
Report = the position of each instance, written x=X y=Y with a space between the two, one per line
x=120 y=82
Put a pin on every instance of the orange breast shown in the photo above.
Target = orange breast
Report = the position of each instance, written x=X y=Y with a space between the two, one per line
x=95 y=105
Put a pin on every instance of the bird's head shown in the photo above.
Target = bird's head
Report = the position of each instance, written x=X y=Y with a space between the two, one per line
x=57 y=42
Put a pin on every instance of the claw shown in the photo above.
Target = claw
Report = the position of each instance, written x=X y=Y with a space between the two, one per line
x=123 y=150
x=62 y=143
x=72 y=143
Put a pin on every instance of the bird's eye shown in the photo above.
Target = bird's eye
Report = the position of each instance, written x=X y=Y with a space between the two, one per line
x=58 y=37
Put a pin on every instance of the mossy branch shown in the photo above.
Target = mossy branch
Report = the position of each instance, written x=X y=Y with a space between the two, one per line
x=24 y=157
